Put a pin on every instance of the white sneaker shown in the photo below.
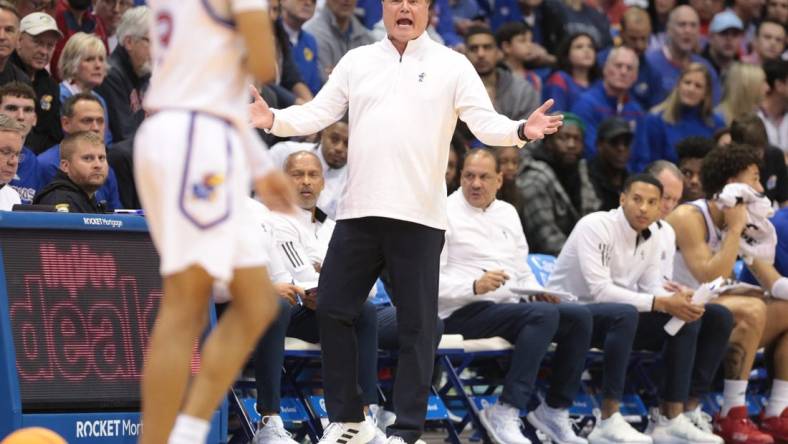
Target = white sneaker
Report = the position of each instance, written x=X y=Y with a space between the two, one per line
x=383 y=417
x=681 y=430
x=272 y=431
x=503 y=425
x=616 y=430
x=399 y=440
x=348 y=433
x=701 y=419
x=380 y=436
x=555 y=424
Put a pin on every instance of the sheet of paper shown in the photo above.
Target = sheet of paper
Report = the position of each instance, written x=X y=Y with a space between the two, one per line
x=566 y=297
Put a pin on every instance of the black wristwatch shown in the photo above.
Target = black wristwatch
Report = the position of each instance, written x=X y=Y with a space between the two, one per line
x=521 y=133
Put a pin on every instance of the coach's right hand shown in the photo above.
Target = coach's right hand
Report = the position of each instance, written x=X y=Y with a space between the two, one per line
x=289 y=292
x=276 y=192
x=679 y=305
x=490 y=281
x=260 y=115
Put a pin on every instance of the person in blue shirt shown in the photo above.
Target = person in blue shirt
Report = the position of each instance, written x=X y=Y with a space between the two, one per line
x=635 y=34
x=303 y=44
x=81 y=112
x=682 y=39
x=576 y=72
x=610 y=97
x=688 y=111
x=18 y=101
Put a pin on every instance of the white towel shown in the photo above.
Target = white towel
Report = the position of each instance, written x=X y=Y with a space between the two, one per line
x=759 y=238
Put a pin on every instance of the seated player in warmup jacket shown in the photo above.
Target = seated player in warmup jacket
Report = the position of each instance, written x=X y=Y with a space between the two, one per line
x=614 y=257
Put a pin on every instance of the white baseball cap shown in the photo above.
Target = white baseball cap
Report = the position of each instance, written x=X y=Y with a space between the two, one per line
x=38 y=23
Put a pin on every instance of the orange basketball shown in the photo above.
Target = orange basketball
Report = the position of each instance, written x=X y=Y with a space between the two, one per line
x=33 y=435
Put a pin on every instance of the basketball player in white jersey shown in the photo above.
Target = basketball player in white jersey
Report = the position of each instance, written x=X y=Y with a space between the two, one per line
x=707 y=240
x=193 y=159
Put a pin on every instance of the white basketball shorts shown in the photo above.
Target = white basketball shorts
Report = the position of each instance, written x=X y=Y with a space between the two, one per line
x=192 y=178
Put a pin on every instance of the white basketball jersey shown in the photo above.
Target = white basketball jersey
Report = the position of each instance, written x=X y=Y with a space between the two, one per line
x=197 y=57
x=681 y=272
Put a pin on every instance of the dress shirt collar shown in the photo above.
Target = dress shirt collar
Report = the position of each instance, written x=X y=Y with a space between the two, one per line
x=292 y=34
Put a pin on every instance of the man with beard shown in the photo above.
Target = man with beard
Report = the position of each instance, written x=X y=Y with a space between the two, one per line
x=513 y=97
x=555 y=188
x=726 y=32
x=83 y=170
x=128 y=76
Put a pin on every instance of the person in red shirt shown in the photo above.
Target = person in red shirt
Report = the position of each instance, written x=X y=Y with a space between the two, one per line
x=73 y=16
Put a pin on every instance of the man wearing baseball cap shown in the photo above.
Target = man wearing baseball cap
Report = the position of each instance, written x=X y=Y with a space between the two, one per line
x=38 y=36
x=608 y=170
x=726 y=32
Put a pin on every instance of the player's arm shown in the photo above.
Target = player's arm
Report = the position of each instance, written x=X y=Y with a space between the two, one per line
x=254 y=25
x=765 y=273
x=689 y=225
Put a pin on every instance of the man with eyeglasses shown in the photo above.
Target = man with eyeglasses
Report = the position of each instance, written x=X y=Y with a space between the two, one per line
x=37 y=39
x=17 y=101
x=10 y=151
x=108 y=17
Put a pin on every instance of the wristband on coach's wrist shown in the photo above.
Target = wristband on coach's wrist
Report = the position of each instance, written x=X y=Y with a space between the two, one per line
x=474 y=288
x=653 y=303
x=521 y=133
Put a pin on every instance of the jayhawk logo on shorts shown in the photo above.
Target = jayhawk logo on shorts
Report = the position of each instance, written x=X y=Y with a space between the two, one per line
x=308 y=54
x=205 y=189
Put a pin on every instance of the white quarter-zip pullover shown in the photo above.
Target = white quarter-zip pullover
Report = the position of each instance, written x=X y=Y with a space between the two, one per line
x=477 y=241
x=606 y=260
x=666 y=236
x=403 y=110
x=301 y=243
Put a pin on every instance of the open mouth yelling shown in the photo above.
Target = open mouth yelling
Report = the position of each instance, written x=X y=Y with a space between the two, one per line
x=404 y=23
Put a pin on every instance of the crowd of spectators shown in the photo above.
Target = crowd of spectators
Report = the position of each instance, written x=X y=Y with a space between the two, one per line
x=669 y=71
x=638 y=82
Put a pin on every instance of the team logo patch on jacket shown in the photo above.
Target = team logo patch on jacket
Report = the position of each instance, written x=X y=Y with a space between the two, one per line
x=46 y=102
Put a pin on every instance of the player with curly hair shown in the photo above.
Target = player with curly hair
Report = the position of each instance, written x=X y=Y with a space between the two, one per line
x=708 y=238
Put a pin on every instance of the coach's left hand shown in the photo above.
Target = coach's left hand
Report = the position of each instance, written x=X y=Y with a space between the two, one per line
x=539 y=124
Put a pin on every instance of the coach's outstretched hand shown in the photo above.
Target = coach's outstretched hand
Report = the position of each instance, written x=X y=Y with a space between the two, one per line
x=260 y=115
x=276 y=192
x=539 y=124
